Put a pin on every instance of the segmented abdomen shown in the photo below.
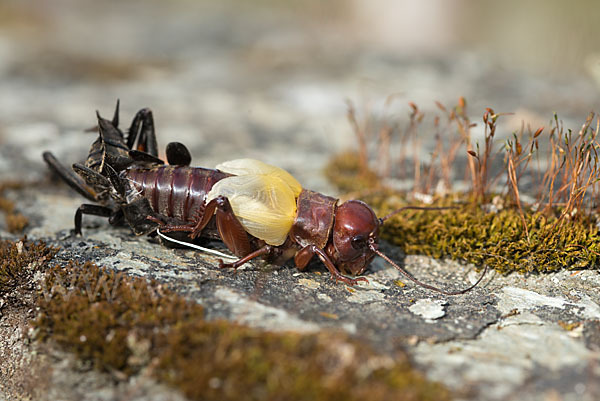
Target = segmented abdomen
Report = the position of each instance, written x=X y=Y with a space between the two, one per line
x=174 y=191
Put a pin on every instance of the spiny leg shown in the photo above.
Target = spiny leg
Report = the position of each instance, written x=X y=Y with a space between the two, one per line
x=265 y=250
x=68 y=176
x=231 y=231
x=93 y=177
x=95 y=210
x=142 y=129
x=115 y=120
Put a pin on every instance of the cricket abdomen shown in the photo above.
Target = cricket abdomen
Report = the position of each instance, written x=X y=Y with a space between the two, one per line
x=174 y=191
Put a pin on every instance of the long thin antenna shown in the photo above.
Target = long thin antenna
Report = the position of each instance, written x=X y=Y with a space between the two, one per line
x=373 y=247
x=382 y=219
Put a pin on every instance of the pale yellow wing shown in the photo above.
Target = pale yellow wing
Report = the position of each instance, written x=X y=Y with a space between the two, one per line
x=264 y=204
x=253 y=167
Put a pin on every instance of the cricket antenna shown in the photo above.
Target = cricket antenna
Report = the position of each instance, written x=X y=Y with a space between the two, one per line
x=373 y=247
x=382 y=219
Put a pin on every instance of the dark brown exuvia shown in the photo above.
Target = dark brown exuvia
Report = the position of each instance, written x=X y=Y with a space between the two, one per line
x=129 y=184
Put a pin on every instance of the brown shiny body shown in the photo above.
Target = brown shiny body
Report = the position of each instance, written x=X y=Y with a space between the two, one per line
x=314 y=219
x=177 y=192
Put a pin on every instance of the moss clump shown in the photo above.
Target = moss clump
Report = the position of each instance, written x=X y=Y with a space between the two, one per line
x=497 y=239
x=123 y=323
x=108 y=318
x=19 y=261
x=15 y=222
x=558 y=229
x=348 y=175
x=221 y=361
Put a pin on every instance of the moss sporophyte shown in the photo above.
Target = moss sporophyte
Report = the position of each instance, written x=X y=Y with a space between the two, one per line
x=507 y=240
x=558 y=229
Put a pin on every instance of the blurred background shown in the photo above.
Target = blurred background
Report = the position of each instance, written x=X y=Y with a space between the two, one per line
x=270 y=79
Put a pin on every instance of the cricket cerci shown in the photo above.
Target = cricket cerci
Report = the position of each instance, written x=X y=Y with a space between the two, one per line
x=256 y=209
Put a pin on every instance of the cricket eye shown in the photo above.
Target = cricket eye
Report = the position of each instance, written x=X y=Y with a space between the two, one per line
x=358 y=242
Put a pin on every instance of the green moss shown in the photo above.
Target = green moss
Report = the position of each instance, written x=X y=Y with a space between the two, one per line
x=561 y=167
x=504 y=240
x=19 y=261
x=102 y=315
x=15 y=222
x=135 y=322
x=497 y=239
x=218 y=360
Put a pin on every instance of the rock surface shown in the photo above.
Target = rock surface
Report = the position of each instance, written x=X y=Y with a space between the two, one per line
x=257 y=84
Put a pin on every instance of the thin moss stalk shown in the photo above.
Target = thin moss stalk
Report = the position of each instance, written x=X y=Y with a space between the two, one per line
x=347 y=173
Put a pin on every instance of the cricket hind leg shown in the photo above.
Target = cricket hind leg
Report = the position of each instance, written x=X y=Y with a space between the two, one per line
x=69 y=177
x=230 y=230
x=93 y=178
x=265 y=250
x=114 y=121
x=94 y=210
x=142 y=129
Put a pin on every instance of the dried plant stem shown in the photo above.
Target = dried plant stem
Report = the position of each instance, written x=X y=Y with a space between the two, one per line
x=512 y=178
x=361 y=136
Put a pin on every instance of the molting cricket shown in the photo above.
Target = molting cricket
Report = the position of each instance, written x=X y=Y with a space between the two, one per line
x=255 y=209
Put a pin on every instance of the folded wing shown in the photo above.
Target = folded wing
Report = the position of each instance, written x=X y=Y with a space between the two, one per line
x=253 y=167
x=262 y=197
